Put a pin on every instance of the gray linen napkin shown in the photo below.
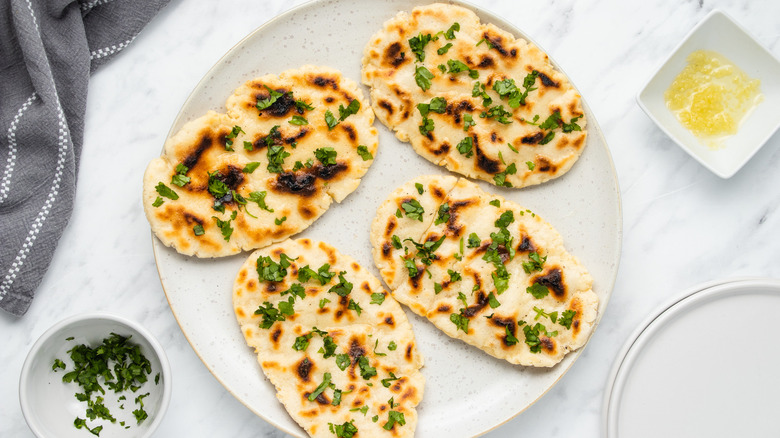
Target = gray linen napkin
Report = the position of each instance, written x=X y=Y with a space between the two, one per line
x=48 y=48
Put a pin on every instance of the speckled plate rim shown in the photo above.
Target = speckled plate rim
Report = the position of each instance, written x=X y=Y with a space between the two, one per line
x=609 y=417
x=595 y=135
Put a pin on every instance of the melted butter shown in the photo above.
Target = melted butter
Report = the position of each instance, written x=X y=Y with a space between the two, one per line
x=712 y=97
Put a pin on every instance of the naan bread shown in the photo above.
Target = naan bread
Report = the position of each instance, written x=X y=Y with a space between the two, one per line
x=477 y=280
x=299 y=188
x=366 y=329
x=518 y=153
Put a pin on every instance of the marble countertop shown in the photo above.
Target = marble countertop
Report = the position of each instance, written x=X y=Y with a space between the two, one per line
x=682 y=224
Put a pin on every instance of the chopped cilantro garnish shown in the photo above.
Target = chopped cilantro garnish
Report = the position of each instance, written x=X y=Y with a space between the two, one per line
x=423 y=76
x=387 y=382
x=321 y=388
x=444 y=49
x=343 y=361
x=166 y=191
x=354 y=306
x=233 y=134
x=276 y=155
x=279 y=221
x=566 y=318
x=499 y=113
x=377 y=298
x=259 y=199
x=268 y=270
x=509 y=337
x=330 y=120
x=352 y=108
x=450 y=33
x=500 y=178
x=298 y=120
x=460 y=321
x=366 y=370
x=418 y=43
x=534 y=264
x=158 y=202
x=538 y=291
x=301 y=105
x=326 y=155
x=364 y=153
x=465 y=147
x=273 y=96
x=456 y=66
x=479 y=91
x=225 y=227
x=343 y=287
x=323 y=274
x=443 y=214
x=198 y=230
x=413 y=209
x=468 y=122
x=346 y=430
x=251 y=167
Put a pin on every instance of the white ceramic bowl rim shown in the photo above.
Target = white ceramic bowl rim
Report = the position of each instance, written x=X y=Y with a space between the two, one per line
x=27 y=408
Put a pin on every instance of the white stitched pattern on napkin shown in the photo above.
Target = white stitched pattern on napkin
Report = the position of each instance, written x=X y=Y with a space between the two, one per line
x=5 y=184
x=63 y=139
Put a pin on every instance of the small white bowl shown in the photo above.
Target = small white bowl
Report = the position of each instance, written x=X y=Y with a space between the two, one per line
x=49 y=404
x=719 y=33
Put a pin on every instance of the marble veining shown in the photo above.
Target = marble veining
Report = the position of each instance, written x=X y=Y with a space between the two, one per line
x=682 y=225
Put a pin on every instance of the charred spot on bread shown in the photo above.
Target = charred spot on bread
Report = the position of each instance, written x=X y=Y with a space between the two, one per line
x=297 y=137
x=486 y=61
x=482 y=301
x=324 y=81
x=330 y=171
x=484 y=162
x=281 y=106
x=394 y=55
x=553 y=280
x=386 y=248
x=526 y=245
x=389 y=320
x=547 y=81
x=349 y=129
x=442 y=149
x=192 y=158
x=497 y=43
x=544 y=165
x=303 y=368
x=301 y=183
x=532 y=138
x=391 y=224
x=387 y=106
x=356 y=350
x=192 y=219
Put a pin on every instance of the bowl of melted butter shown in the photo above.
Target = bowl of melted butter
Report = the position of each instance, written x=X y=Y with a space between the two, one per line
x=717 y=95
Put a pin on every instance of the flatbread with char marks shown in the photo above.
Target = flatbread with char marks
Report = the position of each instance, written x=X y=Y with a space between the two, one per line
x=484 y=270
x=473 y=98
x=287 y=148
x=314 y=315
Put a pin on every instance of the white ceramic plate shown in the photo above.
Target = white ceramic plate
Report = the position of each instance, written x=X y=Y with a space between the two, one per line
x=467 y=392
x=719 y=33
x=704 y=365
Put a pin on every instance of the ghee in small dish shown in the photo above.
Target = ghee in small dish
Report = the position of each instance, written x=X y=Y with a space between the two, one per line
x=711 y=97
